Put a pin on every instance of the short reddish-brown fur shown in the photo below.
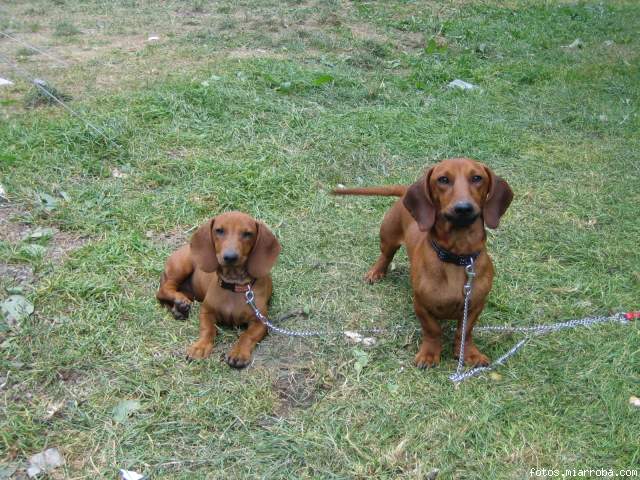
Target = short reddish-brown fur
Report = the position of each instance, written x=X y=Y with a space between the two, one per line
x=426 y=212
x=193 y=271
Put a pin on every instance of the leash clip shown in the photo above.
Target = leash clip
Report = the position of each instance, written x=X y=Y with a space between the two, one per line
x=249 y=295
x=632 y=315
x=471 y=273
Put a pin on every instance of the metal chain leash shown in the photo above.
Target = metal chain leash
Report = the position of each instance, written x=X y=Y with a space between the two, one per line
x=250 y=297
x=467 y=290
x=555 y=327
x=460 y=374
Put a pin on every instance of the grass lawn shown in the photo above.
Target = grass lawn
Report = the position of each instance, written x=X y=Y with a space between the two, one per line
x=264 y=106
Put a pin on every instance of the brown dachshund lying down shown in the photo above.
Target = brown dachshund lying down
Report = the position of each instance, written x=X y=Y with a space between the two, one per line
x=441 y=220
x=227 y=254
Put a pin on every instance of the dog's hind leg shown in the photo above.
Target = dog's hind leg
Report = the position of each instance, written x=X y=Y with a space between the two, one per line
x=390 y=240
x=174 y=292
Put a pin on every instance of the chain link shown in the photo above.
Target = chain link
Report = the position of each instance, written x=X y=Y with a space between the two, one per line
x=466 y=290
x=250 y=297
x=460 y=374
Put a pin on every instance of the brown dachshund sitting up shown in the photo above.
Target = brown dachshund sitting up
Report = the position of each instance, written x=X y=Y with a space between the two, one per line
x=228 y=255
x=441 y=219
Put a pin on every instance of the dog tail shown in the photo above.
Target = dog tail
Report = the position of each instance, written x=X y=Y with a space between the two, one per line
x=386 y=191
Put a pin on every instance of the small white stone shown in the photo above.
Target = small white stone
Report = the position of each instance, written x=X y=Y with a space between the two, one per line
x=116 y=173
x=130 y=475
x=368 y=341
x=634 y=401
x=354 y=337
x=44 y=462
x=4 y=81
x=461 y=84
x=577 y=43
x=153 y=38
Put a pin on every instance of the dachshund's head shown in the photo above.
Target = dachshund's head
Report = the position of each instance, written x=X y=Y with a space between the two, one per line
x=458 y=191
x=235 y=241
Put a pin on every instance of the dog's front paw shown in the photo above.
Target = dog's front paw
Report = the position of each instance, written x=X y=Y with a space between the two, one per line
x=238 y=357
x=374 y=275
x=427 y=359
x=199 y=350
x=474 y=357
x=180 y=309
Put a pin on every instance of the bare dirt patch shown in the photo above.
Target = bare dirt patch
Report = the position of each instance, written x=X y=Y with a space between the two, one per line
x=365 y=31
x=13 y=226
x=17 y=274
x=241 y=53
x=173 y=238
x=294 y=389
x=64 y=243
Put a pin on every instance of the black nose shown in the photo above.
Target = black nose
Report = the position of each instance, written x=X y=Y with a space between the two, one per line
x=463 y=208
x=230 y=257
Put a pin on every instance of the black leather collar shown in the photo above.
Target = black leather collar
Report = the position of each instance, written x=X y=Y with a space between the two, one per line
x=236 y=287
x=449 y=257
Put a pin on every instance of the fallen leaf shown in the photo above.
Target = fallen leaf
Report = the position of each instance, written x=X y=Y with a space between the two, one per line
x=362 y=359
x=15 y=309
x=39 y=233
x=122 y=410
x=44 y=462
x=634 y=401
x=462 y=85
x=495 y=376
x=49 y=202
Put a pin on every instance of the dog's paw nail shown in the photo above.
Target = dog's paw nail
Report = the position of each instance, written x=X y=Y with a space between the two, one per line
x=236 y=362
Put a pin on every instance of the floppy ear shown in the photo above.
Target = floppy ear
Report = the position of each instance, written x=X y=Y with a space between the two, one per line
x=203 y=250
x=498 y=200
x=264 y=254
x=418 y=201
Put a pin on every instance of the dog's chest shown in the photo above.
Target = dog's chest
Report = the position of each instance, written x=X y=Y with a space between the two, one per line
x=439 y=288
x=230 y=308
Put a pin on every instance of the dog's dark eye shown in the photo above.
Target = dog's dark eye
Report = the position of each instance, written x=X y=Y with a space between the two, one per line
x=476 y=179
x=443 y=180
x=219 y=231
x=247 y=234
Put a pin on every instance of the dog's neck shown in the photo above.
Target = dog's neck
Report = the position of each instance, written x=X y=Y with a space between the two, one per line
x=234 y=274
x=459 y=240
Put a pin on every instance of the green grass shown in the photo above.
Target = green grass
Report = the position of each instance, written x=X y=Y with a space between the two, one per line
x=264 y=107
